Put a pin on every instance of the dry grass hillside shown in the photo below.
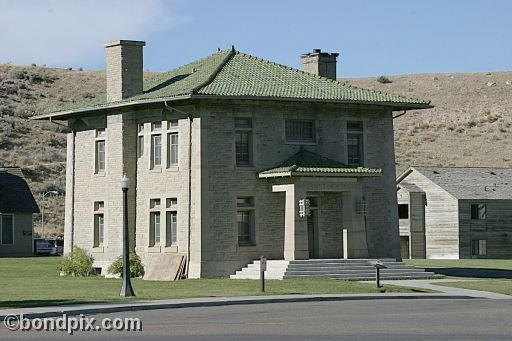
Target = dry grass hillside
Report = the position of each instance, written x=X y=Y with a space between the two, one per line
x=470 y=126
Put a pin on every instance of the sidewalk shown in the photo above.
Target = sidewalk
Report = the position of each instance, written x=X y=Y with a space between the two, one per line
x=431 y=284
x=113 y=307
x=97 y=308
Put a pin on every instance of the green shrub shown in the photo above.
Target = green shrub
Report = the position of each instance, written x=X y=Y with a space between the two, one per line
x=136 y=267
x=383 y=80
x=78 y=263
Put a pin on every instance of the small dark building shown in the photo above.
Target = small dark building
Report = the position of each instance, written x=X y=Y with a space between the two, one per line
x=17 y=207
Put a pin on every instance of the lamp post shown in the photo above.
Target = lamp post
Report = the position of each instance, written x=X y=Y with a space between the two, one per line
x=42 y=210
x=126 y=289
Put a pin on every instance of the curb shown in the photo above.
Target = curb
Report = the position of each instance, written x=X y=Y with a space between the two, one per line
x=124 y=307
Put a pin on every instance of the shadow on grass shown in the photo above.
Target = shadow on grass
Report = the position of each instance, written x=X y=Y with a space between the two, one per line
x=43 y=303
x=472 y=272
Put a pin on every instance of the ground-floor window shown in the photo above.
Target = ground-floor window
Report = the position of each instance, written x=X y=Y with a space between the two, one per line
x=245 y=221
x=99 y=224
x=154 y=229
x=7 y=227
x=479 y=247
x=172 y=228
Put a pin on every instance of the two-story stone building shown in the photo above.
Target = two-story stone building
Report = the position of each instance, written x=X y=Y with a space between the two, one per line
x=222 y=152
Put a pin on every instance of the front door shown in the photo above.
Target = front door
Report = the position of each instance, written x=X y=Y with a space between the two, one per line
x=313 y=234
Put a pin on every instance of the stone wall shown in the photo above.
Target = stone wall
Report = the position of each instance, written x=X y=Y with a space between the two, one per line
x=217 y=181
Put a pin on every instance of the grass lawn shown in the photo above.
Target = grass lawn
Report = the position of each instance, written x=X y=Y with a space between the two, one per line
x=500 y=286
x=30 y=282
x=503 y=264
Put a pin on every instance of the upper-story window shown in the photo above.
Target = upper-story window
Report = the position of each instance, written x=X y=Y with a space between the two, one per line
x=172 y=144
x=99 y=151
x=243 y=141
x=478 y=211
x=355 y=143
x=403 y=211
x=140 y=140
x=300 y=131
x=156 y=145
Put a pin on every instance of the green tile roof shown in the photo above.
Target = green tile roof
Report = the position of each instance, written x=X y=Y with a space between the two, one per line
x=306 y=162
x=233 y=74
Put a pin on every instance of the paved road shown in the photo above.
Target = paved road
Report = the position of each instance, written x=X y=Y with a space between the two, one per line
x=396 y=319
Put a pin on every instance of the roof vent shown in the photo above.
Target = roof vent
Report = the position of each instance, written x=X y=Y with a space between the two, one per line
x=493 y=173
x=436 y=172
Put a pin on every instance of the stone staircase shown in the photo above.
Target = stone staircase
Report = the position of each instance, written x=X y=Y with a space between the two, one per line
x=350 y=269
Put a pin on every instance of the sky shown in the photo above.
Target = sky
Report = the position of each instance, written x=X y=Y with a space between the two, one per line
x=373 y=37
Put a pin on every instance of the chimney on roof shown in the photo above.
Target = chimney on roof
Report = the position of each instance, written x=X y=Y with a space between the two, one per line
x=320 y=63
x=124 y=69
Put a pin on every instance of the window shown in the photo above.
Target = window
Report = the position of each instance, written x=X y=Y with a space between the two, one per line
x=172 y=228
x=156 y=126
x=355 y=146
x=173 y=124
x=156 y=151
x=7 y=227
x=479 y=247
x=140 y=145
x=99 y=227
x=172 y=149
x=300 y=131
x=403 y=211
x=172 y=203
x=245 y=221
x=140 y=140
x=99 y=153
x=478 y=211
x=154 y=229
x=99 y=223
x=171 y=235
x=154 y=203
x=243 y=141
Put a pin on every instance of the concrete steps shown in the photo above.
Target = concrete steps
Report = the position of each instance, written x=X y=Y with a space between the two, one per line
x=350 y=269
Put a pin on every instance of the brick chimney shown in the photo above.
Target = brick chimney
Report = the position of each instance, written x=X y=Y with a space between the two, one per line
x=124 y=69
x=320 y=63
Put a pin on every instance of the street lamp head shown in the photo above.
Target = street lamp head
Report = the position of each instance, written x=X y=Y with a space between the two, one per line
x=54 y=192
x=124 y=182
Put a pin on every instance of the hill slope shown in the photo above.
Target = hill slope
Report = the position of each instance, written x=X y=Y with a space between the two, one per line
x=471 y=124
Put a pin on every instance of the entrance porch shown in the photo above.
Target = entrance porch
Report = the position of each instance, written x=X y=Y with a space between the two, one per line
x=334 y=224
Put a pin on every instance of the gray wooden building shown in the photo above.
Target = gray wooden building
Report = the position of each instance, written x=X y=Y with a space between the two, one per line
x=17 y=206
x=455 y=213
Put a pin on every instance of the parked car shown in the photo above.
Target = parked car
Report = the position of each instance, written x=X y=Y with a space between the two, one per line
x=44 y=246
x=48 y=246
x=59 y=246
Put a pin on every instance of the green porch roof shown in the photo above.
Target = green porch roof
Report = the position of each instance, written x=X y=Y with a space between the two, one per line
x=306 y=163
x=232 y=74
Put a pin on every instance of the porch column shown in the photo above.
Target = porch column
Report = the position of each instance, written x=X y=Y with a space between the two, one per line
x=354 y=223
x=295 y=227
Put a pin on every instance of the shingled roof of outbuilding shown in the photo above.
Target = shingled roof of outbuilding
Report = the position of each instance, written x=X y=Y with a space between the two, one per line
x=469 y=182
x=232 y=74
x=15 y=195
